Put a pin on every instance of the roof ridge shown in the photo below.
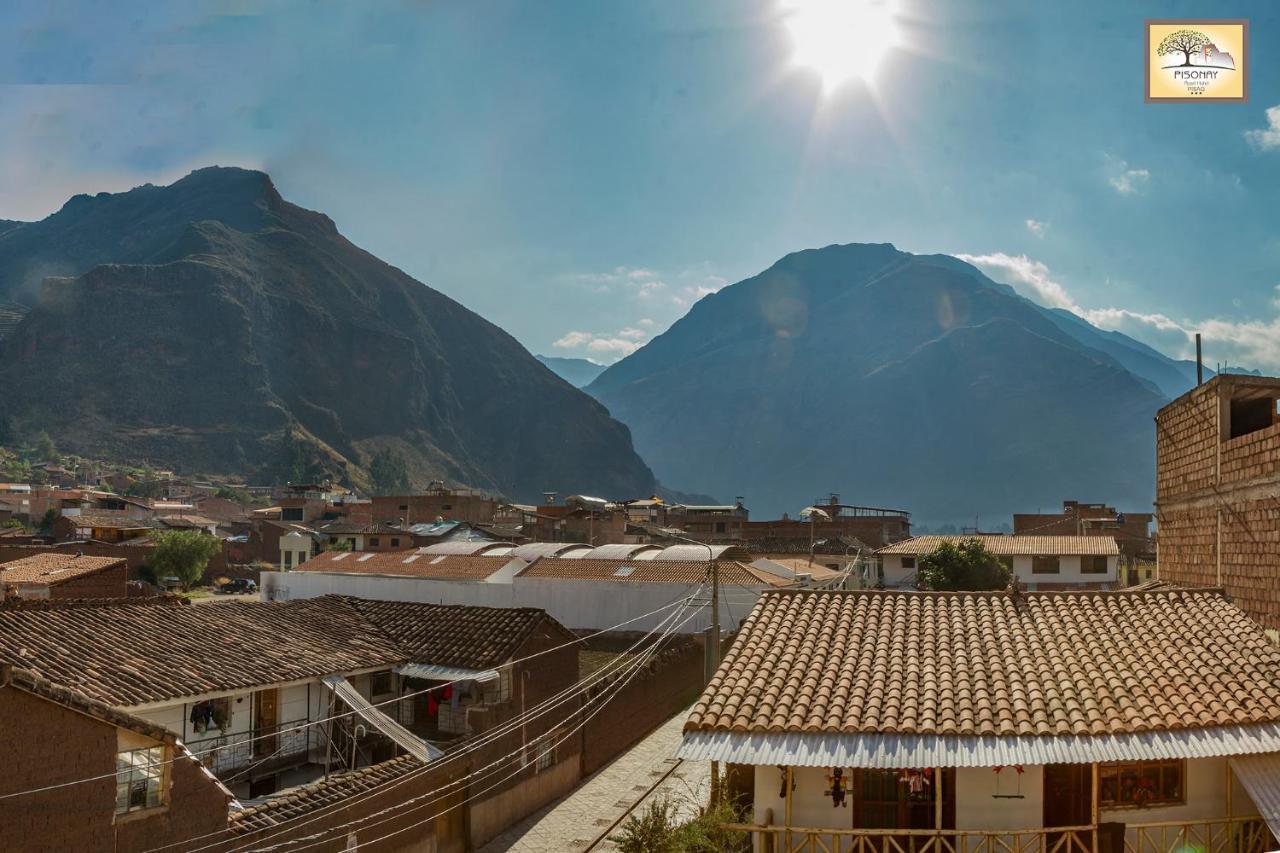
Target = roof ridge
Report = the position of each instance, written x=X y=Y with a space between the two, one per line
x=1046 y=593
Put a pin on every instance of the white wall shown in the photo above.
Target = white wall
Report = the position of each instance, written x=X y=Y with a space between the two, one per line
x=1068 y=571
x=978 y=808
x=576 y=604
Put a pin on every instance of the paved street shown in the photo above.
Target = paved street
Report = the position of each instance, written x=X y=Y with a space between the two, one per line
x=571 y=824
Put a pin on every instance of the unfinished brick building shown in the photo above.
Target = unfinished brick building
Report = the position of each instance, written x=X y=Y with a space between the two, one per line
x=1218 y=491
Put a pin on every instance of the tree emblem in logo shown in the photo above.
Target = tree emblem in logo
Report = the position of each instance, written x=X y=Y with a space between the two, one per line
x=1185 y=41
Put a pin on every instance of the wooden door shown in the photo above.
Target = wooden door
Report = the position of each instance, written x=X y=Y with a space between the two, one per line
x=451 y=825
x=266 y=716
x=1068 y=794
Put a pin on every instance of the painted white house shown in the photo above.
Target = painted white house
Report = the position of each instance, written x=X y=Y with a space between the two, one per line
x=1039 y=562
x=1068 y=721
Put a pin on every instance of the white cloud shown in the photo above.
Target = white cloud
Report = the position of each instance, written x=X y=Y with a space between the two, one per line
x=1028 y=277
x=1130 y=181
x=1268 y=137
x=619 y=345
x=1251 y=343
x=1037 y=228
x=633 y=334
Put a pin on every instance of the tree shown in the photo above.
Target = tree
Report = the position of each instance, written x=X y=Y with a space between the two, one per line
x=183 y=554
x=1187 y=41
x=389 y=473
x=658 y=829
x=45 y=449
x=965 y=566
x=231 y=493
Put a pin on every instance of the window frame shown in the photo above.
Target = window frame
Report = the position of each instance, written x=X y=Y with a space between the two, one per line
x=152 y=773
x=1095 y=561
x=908 y=562
x=1036 y=562
x=1109 y=770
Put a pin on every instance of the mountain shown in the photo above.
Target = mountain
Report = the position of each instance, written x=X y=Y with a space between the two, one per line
x=213 y=326
x=894 y=379
x=578 y=372
x=1170 y=377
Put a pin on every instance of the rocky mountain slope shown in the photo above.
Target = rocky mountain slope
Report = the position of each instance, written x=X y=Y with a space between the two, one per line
x=896 y=380
x=578 y=372
x=212 y=326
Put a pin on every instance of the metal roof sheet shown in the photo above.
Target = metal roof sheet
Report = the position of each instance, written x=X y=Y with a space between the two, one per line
x=885 y=751
x=1260 y=776
x=467 y=546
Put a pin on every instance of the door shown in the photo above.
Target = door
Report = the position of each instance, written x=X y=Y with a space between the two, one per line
x=895 y=799
x=1068 y=794
x=266 y=716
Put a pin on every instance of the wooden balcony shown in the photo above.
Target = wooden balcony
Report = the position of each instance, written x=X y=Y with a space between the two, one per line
x=1224 y=835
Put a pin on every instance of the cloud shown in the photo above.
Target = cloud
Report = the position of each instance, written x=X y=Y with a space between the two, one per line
x=1037 y=228
x=1268 y=137
x=618 y=345
x=1130 y=181
x=1251 y=343
x=1030 y=278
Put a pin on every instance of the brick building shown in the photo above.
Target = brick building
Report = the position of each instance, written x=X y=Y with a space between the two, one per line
x=448 y=504
x=1131 y=530
x=53 y=575
x=1218 y=491
x=164 y=798
x=874 y=527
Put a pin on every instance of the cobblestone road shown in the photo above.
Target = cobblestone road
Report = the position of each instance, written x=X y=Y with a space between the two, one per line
x=570 y=824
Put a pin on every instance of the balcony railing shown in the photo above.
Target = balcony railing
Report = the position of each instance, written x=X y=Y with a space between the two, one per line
x=1223 y=835
x=781 y=839
x=268 y=746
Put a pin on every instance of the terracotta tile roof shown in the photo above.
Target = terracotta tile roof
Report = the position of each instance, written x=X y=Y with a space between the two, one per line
x=410 y=563
x=305 y=799
x=132 y=653
x=1063 y=663
x=648 y=571
x=108 y=518
x=51 y=569
x=465 y=636
x=1014 y=546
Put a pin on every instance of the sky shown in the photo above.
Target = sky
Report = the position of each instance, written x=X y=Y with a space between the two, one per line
x=581 y=172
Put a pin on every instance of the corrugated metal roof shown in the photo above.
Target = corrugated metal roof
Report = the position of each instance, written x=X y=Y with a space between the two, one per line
x=434 y=672
x=894 y=751
x=374 y=716
x=533 y=550
x=467 y=546
x=618 y=551
x=1260 y=775
x=698 y=552
x=1016 y=545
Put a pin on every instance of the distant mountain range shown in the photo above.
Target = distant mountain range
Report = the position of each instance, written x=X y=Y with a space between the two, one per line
x=212 y=326
x=898 y=380
x=578 y=372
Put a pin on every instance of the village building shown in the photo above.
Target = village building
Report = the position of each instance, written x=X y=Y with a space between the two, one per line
x=1217 y=487
x=1038 y=562
x=709 y=523
x=144 y=788
x=871 y=526
x=583 y=588
x=244 y=685
x=60 y=576
x=101 y=525
x=435 y=503
x=879 y=720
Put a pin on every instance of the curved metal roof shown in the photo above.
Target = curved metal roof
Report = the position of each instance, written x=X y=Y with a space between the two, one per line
x=533 y=550
x=698 y=552
x=495 y=549
x=619 y=551
x=575 y=552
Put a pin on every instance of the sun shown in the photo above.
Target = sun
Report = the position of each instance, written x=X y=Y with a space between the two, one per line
x=841 y=40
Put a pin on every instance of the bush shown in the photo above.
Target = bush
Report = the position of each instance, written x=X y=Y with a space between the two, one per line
x=657 y=830
x=967 y=566
x=183 y=554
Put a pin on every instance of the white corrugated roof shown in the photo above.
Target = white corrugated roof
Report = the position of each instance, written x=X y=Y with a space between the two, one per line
x=467 y=546
x=892 y=751
x=1260 y=776
x=1016 y=545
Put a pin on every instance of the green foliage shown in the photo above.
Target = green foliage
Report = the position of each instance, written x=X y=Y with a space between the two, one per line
x=1185 y=42
x=231 y=493
x=657 y=829
x=14 y=523
x=965 y=566
x=145 y=489
x=46 y=523
x=389 y=473
x=337 y=545
x=44 y=448
x=183 y=554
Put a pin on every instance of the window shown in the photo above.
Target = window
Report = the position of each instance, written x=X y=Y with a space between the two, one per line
x=546 y=756
x=719 y=527
x=1136 y=784
x=403 y=507
x=291 y=513
x=373 y=541
x=1044 y=565
x=908 y=562
x=1251 y=415
x=1093 y=565
x=395 y=542
x=447 y=506
x=139 y=779
x=380 y=684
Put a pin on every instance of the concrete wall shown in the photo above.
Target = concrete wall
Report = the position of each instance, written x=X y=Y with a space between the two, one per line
x=1068 y=572
x=578 y=605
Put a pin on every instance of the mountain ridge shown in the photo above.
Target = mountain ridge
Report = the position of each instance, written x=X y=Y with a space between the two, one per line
x=212 y=324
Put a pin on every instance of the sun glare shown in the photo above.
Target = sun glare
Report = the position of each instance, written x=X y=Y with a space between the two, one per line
x=840 y=40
